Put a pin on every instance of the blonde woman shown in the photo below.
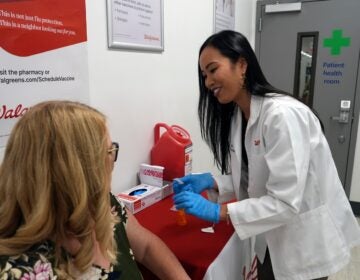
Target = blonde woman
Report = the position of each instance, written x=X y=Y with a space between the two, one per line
x=58 y=220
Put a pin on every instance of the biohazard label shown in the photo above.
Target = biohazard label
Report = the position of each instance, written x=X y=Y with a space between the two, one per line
x=188 y=159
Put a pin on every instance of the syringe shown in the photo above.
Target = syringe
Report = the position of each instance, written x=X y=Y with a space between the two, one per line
x=181 y=215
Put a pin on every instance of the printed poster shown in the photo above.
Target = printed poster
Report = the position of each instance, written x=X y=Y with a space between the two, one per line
x=43 y=56
x=135 y=24
x=224 y=15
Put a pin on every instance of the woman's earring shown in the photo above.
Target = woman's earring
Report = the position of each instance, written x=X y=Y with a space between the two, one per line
x=243 y=77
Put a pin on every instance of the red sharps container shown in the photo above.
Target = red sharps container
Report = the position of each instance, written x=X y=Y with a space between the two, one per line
x=173 y=150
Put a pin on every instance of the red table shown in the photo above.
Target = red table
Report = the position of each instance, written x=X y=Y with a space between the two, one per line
x=195 y=250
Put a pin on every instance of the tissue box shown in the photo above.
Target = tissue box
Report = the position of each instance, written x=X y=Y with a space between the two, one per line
x=141 y=196
x=151 y=174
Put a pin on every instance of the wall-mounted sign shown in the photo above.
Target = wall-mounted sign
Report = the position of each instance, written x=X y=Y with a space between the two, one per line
x=224 y=15
x=43 y=56
x=134 y=24
x=336 y=42
x=333 y=72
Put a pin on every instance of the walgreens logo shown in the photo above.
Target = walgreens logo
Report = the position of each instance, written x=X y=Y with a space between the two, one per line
x=7 y=112
x=153 y=173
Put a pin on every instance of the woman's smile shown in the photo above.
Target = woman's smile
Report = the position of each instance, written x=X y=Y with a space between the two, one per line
x=216 y=92
x=222 y=76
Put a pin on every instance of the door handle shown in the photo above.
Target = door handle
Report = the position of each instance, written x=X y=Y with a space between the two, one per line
x=342 y=118
x=344 y=112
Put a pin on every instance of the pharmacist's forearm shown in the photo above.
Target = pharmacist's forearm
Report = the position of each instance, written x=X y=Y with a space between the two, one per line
x=224 y=213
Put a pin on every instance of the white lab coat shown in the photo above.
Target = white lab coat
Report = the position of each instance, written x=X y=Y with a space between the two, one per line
x=295 y=196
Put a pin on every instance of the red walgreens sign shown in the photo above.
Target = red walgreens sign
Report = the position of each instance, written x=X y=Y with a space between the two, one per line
x=30 y=27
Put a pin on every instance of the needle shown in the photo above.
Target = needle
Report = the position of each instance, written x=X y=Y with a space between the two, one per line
x=179 y=181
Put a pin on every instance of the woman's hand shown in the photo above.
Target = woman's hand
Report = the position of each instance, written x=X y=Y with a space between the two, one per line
x=196 y=183
x=197 y=205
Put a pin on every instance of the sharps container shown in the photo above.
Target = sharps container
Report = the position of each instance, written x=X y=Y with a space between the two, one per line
x=173 y=150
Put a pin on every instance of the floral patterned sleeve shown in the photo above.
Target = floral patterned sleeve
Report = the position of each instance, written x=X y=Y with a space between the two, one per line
x=35 y=264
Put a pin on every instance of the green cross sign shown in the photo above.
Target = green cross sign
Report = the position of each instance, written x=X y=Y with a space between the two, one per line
x=336 y=42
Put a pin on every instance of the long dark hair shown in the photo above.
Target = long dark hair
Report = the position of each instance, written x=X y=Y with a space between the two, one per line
x=215 y=118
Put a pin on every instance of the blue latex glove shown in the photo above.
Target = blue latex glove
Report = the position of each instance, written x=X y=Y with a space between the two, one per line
x=179 y=186
x=196 y=183
x=195 y=204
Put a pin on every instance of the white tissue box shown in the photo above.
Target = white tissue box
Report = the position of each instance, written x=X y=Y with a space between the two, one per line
x=151 y=175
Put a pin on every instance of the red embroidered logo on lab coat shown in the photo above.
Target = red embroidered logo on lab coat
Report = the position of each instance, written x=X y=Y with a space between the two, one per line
x=257 y=142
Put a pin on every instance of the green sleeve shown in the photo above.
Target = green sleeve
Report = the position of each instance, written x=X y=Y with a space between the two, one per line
x=126 y=263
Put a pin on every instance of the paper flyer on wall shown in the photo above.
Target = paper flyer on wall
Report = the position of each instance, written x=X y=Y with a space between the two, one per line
x=224 y=17
x=43 y=56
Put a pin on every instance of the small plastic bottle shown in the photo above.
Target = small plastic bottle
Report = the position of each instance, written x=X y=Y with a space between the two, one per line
x=180 y=214
x=181 y=217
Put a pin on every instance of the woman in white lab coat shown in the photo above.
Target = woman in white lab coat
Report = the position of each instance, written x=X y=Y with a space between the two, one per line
x=277 y=164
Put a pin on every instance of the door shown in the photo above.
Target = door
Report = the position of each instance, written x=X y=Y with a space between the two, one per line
x=311 y=49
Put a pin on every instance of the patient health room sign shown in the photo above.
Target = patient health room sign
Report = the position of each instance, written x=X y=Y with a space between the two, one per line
x=43 y=56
